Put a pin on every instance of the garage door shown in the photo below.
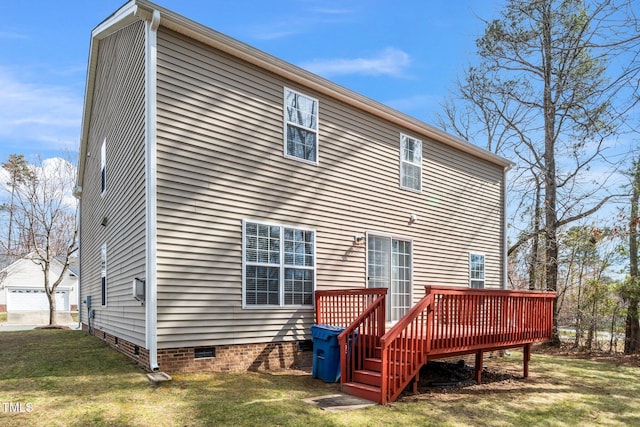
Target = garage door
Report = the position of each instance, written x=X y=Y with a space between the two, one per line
x=29 y=299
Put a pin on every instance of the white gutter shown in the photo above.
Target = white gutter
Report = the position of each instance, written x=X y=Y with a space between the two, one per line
x=151 y=304
x=79 y=296
x=265 y=61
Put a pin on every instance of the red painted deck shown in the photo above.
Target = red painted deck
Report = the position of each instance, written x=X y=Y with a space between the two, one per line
x=378 y=364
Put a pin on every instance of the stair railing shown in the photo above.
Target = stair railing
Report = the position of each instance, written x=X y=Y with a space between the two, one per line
x=404 y=349
x=361 y=337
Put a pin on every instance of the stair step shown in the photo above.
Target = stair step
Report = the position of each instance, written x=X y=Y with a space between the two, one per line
x=373 y=364
x=364 y=391
x=365 y=376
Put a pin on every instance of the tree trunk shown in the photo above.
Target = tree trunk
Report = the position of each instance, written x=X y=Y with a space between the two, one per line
x=579 y=317
x=550 y=183
x=535 y=247
x=52 y=308
x=632 y=324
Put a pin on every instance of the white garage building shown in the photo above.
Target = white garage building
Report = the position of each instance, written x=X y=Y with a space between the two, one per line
x=22 y=287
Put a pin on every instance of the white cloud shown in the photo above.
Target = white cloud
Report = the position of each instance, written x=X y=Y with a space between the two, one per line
x=44 y=115
x=390 y=62
x=12 y=35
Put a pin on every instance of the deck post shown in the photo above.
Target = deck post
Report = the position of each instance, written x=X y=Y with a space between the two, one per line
x=479 y=366
x=526 y=357
x=416 y=380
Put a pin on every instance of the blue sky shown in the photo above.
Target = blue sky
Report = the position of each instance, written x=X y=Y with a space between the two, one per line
x=405 y=54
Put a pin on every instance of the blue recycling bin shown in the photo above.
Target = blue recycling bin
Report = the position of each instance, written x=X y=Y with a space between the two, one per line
x=326 y=352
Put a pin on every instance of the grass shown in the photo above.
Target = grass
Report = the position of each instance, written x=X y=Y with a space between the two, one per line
x=3 y=317
x=73 y=379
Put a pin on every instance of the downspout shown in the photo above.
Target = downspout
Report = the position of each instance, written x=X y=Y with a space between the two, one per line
x=151 y=304
x=78 y=288
x=505 y=243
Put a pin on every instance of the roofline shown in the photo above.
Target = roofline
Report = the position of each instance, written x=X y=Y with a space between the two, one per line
x=136 y=10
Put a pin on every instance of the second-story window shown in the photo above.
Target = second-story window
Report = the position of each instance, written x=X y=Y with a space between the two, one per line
x=410 y=163
x=301 y=126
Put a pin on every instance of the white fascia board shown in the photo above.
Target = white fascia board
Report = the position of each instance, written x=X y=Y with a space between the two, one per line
x=123 y=17
x=307 y=79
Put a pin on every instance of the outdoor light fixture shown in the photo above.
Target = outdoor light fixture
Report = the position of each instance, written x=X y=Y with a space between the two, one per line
x=357 y=239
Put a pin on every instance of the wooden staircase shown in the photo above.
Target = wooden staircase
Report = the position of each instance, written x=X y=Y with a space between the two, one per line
x=378 y=365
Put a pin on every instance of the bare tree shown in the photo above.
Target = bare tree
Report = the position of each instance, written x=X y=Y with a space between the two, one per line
x=554 y=83
x=45 y=216
x=631 y=291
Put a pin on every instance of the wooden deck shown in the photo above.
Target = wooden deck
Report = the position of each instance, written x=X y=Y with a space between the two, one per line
x=378 y=364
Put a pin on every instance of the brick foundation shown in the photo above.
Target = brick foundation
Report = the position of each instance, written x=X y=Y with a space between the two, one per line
x=228 y=358
x=237 y=358
x=123 y=346
x=3 y=308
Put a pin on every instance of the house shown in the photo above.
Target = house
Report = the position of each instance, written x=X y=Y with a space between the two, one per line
x=220 y=187
x=22 y=287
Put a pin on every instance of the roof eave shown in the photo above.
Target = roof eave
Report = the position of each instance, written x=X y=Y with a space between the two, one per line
x=142 y=10
x=126 y=15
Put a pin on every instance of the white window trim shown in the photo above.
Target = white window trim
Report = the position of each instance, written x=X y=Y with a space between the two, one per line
x=484 y=265
x=401 y=152
x=103 y=167
x=282 y=266
x=104 y=257
x=286 y=123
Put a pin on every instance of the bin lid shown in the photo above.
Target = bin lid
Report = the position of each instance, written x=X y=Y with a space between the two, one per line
x=324 y=332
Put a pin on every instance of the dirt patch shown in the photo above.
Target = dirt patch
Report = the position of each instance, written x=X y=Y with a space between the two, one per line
x=441 y=378
x=53 y=327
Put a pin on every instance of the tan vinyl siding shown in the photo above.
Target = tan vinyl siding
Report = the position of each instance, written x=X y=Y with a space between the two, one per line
x=118 y=117
x=220 y=160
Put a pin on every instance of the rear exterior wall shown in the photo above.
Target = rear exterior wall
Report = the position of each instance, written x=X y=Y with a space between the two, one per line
x=220 y=160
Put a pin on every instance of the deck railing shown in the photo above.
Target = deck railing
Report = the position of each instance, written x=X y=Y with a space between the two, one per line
x=448 y=321
x=342 y=307
x=470 y=319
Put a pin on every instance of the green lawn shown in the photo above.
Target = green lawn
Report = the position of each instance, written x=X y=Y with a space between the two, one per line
x=70 y=378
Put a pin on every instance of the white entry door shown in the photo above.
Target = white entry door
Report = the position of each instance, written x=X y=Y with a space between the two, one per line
x=389 y=266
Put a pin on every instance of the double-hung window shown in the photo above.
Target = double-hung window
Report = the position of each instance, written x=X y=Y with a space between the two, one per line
x=476 y=270
x=410 y=163
x=103 y=275
x=103 y=166
x=301 y=126
x=278 y=265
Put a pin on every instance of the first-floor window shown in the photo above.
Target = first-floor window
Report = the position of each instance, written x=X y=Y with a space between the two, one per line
x=476 y=270
x=279 y=265
x=103 y=274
